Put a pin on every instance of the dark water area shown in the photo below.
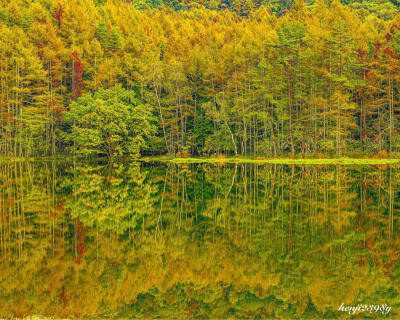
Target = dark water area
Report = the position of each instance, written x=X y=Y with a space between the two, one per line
x=151 y=240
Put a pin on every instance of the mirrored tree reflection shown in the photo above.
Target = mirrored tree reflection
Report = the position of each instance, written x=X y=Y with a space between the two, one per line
x=194 y=241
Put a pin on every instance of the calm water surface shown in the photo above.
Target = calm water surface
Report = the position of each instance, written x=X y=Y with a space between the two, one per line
x=197 y=241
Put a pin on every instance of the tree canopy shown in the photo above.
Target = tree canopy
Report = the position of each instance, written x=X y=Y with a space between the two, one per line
x=111 y=121
x=273 y=78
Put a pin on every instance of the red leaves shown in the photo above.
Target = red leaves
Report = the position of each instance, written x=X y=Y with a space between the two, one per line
x=58 y=14
x=59 y=109
x=282 y=12
x=56 y=108
x=388 y=37
x=193 y=307
x=77 y=84
x=377 y=46
x=364 y=133
x=260 y=291
x=389 y=51
x=360 y=262
x=63 y=298
x=80 y=239
x=370 y=75
x=360 y=52
x=369 y=243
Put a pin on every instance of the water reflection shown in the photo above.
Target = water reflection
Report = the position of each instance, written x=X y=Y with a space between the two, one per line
x=197 y=241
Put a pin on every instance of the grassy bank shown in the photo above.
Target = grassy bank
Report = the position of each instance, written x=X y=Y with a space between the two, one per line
x=258 y=160
x=344 y=161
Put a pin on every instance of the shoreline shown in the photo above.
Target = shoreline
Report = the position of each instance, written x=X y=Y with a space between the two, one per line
x=286 y=161
x=233 y=160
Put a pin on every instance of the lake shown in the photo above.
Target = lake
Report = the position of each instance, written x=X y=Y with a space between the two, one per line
x=146 y=240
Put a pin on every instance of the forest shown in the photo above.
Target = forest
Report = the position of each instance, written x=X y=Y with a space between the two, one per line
x=199 y=78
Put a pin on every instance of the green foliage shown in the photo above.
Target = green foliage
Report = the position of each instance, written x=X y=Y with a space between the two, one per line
x=3 y=15
x=219 y=141
x=202 y=130
x=116 y=198
x=109 y=38
x=109 y=122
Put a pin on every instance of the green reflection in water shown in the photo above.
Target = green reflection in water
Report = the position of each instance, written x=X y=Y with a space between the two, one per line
x=198 y=240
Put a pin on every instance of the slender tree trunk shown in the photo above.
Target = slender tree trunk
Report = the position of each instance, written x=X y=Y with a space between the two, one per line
x=161 y=113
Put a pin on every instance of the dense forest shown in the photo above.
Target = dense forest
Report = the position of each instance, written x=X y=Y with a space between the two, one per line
x=242 y=77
